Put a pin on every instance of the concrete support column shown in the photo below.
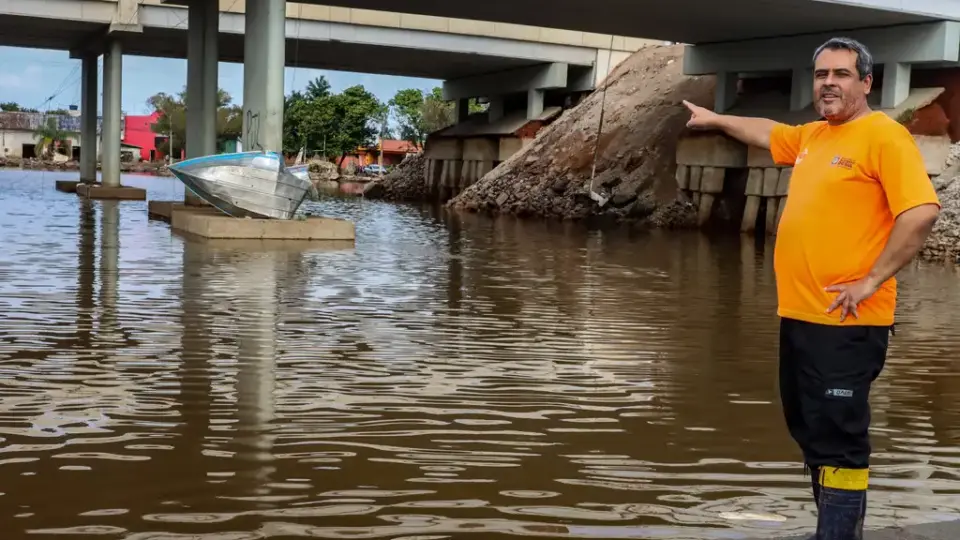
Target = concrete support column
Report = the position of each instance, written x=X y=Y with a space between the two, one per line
x=534 y=103
x=801 y=89
x=896 y=85
x=462 y=110
x=211 y=75
x=264 y=56
x=110 y=133
x=725 y=93
x=88 y=119
x=202 y=83
x=495 y=109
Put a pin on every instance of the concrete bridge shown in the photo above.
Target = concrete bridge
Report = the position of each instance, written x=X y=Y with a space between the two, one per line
x=475 y=58
x=733 y=40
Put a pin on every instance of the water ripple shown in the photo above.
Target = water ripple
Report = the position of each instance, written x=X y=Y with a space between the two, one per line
x=447 y=377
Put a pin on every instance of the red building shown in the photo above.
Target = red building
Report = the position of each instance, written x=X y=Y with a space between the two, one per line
x=137 y=131
x=393 y=153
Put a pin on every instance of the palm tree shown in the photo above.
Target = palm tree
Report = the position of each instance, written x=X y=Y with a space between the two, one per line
x=49 y=135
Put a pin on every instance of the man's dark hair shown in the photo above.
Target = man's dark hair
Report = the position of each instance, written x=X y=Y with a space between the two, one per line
x=864 y=58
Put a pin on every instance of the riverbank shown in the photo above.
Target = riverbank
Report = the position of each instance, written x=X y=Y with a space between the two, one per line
x=145 y=167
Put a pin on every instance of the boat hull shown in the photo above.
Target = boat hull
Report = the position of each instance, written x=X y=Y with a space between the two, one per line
x=246 y=184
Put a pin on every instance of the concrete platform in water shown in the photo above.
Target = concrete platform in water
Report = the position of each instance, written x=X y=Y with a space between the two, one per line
x=67 y=186
x=97 y=191
x=207 y=224
x=163 y=210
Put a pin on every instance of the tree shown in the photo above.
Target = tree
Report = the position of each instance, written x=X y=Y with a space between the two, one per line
x=337 y=123
x=408 y=106
x=14 y=107
x=49 y=135
x=420 y=114
x=173 y=119
x=355 y=113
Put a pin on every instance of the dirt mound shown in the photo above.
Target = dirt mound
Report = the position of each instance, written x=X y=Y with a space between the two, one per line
x=943 y=244
x=643 y=120
x=404 y=183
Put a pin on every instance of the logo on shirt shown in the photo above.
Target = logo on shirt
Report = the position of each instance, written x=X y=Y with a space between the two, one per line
x=846 y=163
x=800 y=157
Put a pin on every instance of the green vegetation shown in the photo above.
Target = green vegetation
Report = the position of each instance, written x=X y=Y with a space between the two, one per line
x=14 y=107
x=49 y=135
x=332 y=124
x=173 y=119
x=420 y=114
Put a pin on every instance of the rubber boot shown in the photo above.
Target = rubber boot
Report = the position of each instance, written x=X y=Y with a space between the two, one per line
x=843 y=504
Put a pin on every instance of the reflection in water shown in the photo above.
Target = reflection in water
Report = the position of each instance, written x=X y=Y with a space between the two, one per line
x=447 y=377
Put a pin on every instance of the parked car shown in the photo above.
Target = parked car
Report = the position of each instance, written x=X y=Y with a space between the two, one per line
x=374 y=168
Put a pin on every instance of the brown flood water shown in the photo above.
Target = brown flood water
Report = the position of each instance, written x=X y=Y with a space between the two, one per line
x=446 y=378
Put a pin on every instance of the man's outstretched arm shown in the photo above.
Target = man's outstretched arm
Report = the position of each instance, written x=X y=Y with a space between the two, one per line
x=751 y=131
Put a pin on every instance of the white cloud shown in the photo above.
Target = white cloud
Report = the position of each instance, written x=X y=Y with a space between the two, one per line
x=28 y=77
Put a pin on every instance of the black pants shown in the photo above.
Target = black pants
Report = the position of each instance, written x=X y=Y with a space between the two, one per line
x=825 y=378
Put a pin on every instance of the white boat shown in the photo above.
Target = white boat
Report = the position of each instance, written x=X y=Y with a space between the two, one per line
x=246 y=184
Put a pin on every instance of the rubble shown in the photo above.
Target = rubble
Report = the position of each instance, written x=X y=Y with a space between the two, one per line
x=643 y=119
x=406 y=182
x=943 y=244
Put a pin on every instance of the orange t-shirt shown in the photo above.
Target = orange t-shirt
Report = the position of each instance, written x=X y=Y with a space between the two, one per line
x=849 y=184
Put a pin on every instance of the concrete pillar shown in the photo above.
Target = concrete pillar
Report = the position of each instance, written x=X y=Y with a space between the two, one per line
x=195 y=27
x=534 y=103
x=725 y=93
x=495 y=109
x=801 y=89
x=896 y=85
x=89 y=87
x=462 y=109
x=110 y=133
x=211 y=75
x=202 y=83
x=264 y=56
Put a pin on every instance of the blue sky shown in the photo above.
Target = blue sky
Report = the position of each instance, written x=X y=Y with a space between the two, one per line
x=30 y=76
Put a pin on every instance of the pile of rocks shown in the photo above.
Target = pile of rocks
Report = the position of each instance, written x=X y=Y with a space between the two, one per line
x=636 y=163
x=406 y=182
x=943 y=244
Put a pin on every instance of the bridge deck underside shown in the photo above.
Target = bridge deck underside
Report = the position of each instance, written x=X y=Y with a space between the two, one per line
x=685 y=21
x=172 y=43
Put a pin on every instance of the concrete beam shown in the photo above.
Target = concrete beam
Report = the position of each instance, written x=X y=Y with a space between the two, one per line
x=126 y=18
x=89 y=86
x=305 y=29
x=896 y=85
x=541 y=77
x=910 y=44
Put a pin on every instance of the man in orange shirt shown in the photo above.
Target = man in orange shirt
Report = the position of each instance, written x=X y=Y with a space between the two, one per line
x=859 y=207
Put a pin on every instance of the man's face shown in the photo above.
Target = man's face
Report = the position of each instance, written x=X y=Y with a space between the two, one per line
x=837 y=87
